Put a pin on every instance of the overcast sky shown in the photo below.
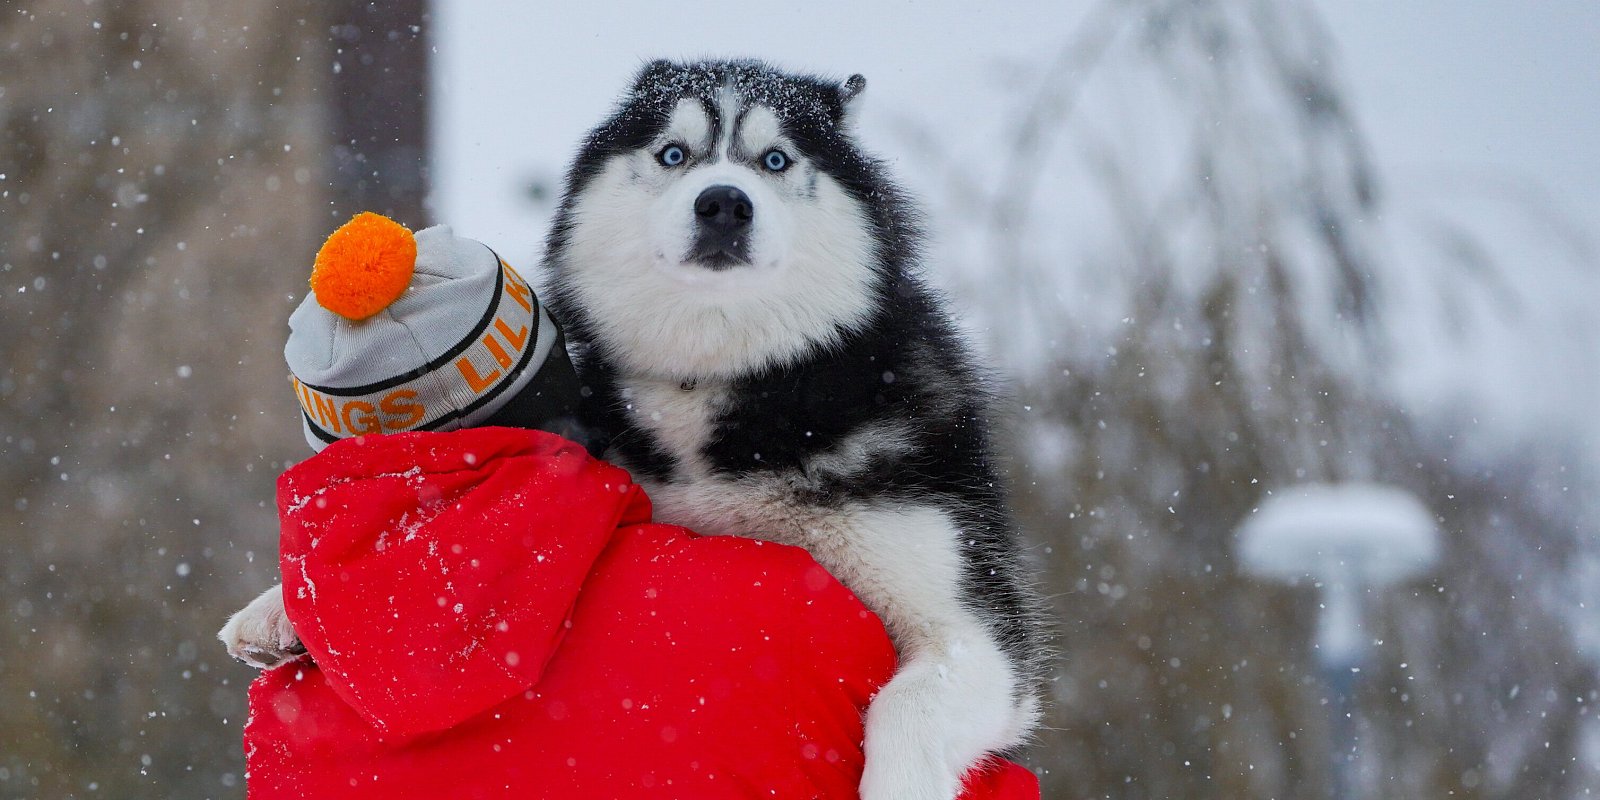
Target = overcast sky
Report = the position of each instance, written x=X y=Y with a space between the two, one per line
x=1452 y=94
x=1506 y=88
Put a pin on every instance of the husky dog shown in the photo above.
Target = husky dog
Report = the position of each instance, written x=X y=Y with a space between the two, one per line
x=740 y=283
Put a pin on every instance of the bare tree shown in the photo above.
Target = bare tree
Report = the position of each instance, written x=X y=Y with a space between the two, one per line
x=1182 y=245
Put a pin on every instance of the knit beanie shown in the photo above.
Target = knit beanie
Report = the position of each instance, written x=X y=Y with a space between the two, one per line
x=421 y=332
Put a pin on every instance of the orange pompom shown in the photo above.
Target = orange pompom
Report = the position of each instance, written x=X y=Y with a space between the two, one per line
x=364 y=266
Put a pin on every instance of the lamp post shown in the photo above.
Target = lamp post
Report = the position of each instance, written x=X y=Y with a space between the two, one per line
x=1349 y=540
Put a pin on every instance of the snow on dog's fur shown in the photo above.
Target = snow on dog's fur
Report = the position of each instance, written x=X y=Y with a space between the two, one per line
x=739 y=281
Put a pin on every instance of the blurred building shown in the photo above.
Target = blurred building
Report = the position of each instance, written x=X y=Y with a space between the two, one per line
x=168 y=170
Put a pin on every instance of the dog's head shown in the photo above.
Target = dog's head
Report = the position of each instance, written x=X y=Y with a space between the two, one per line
x=723 y=221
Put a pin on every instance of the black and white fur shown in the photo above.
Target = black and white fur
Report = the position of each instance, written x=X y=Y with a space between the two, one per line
x=794 y=380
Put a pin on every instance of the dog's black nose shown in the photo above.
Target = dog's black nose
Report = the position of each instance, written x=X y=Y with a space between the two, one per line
x=724 y=209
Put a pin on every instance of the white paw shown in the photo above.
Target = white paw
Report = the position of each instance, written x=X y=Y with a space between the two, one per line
x=260 y=634
x=936 y=719
x=907 y=746
x=898 y=774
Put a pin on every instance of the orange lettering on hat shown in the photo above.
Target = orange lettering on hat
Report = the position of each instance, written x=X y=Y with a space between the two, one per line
x=496 y=350
x=366 y=423
x=304 y=393
x=402 y=403
x=300 y=395
x=327 y=412
x=516 y=340
x=477 y=382
x=518 y=290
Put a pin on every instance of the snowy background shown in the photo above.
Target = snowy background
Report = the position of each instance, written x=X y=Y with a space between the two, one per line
x=1220 y=249
x=1483 y=116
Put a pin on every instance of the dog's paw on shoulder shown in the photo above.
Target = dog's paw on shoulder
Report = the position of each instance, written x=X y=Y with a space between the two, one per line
x=260 y=634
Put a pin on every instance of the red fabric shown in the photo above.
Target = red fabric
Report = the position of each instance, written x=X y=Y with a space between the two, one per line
x=489 y=613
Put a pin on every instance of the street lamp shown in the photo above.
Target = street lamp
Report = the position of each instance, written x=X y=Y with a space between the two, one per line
x=1347 y=539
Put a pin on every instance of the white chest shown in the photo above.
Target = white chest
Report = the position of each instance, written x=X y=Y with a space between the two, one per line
x=681 y=420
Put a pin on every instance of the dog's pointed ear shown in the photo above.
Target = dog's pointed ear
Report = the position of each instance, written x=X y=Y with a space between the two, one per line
x=849 y=99
x=653 y=73
x=852 y=87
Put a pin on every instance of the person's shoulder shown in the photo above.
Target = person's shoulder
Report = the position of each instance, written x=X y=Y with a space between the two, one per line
x=737 y=560
x=731 y=573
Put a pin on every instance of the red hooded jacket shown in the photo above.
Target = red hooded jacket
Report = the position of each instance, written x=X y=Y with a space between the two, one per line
x=490 y=613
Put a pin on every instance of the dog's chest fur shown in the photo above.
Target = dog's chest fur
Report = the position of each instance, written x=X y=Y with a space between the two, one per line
x=897 y=553
x=872 y=455
x=692 y=486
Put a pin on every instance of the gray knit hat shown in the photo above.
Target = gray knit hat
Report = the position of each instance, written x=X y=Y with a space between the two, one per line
x=424 y=332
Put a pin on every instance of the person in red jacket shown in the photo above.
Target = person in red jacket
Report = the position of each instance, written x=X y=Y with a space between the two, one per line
x=500 y=619
x=489 y=612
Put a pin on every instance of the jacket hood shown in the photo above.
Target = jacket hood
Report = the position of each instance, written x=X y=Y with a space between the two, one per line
x=432 y=575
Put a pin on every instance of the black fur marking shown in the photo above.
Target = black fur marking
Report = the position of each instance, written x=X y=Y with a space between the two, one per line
x=710 y=156
x=736 y=149
x=906 y=366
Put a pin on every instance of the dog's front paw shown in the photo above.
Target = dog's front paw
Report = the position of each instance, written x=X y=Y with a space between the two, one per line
x=905 y=755
x=907 y=777
x=900 y=772
x=260 y=634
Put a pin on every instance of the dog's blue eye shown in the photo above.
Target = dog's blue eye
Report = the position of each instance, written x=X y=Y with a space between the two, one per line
x=776 y=160
x=670 y=156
